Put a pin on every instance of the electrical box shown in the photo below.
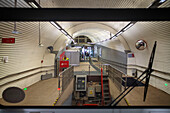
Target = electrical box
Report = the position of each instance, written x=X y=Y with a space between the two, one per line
x=91 y=91
x=81 y=81
x=98 y=88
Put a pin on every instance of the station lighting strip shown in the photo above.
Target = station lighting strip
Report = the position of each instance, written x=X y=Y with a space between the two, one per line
x=155 y=4
x=34 y=4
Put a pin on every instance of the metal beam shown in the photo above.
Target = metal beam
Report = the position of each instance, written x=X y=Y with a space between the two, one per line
x=82 y=14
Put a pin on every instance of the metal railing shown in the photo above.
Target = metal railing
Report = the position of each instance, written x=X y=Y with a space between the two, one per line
x=114 y=74
x=65 y=78
x=117 y=77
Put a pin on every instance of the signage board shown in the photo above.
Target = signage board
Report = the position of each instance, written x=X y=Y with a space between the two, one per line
x=8 y=40
x=64 y=64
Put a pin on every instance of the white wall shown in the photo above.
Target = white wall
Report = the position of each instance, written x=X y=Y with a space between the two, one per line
x=25 y=54
x=150 y=32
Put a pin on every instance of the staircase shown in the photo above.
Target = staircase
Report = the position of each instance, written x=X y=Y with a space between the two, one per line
x=107 y=97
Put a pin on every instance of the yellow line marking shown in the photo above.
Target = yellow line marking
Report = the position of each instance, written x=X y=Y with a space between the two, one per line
x=127 y=102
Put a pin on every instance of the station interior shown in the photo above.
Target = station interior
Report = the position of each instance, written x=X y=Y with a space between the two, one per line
x=84 y=64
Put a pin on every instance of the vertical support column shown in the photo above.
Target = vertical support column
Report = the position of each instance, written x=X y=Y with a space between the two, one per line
x=102 y=86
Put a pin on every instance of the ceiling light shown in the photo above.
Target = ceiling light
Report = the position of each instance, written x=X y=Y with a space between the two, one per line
x=156 y=3
x=114 y=37
x=55 y=25
x=69 y=36
x=64 y=32
x=127 y=27
x=33 y=5
x=162 y=1
x=119 y=33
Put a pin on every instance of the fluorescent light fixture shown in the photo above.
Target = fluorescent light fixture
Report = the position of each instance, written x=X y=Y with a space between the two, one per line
x=114 y=37
x=162 y=1
x=33 y=5
x=56 y=25
x=119 y=33
x=69 y=36
x=127 y=27
x=64 y=32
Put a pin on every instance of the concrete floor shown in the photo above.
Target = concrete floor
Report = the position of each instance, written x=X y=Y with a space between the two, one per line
x=84 y=66
x=42 y=93
x=155 y=97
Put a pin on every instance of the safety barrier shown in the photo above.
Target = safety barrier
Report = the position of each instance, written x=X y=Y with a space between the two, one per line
x=99 y=65
x=65 y=77
x=64 y=80
x=114 y=74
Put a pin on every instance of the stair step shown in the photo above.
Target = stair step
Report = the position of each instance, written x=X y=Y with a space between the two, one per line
x=106 y=97
x=106 y=88
x=107 y=101
x=106 y=93
x=105 y=78
x=105 y=85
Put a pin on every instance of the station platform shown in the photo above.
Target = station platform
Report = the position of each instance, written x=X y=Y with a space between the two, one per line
x=44 y=93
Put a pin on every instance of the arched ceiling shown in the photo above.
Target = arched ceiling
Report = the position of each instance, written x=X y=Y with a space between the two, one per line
x=97 y=30
x=95 y=33
x=150 y=31
x=95 y=3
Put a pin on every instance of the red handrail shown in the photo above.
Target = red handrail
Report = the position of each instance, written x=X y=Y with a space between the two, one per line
x=90 y=105
x=102 y=86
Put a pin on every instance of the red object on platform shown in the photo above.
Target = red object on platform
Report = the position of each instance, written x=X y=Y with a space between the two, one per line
x=62 y=56
x=64 y=63
x=8 y=40
x=42 y=61
x=58 y=88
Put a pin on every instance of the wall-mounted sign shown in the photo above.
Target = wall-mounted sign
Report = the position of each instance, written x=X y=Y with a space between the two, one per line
x=131 y=55
x=8 y=40
x=64 y=64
